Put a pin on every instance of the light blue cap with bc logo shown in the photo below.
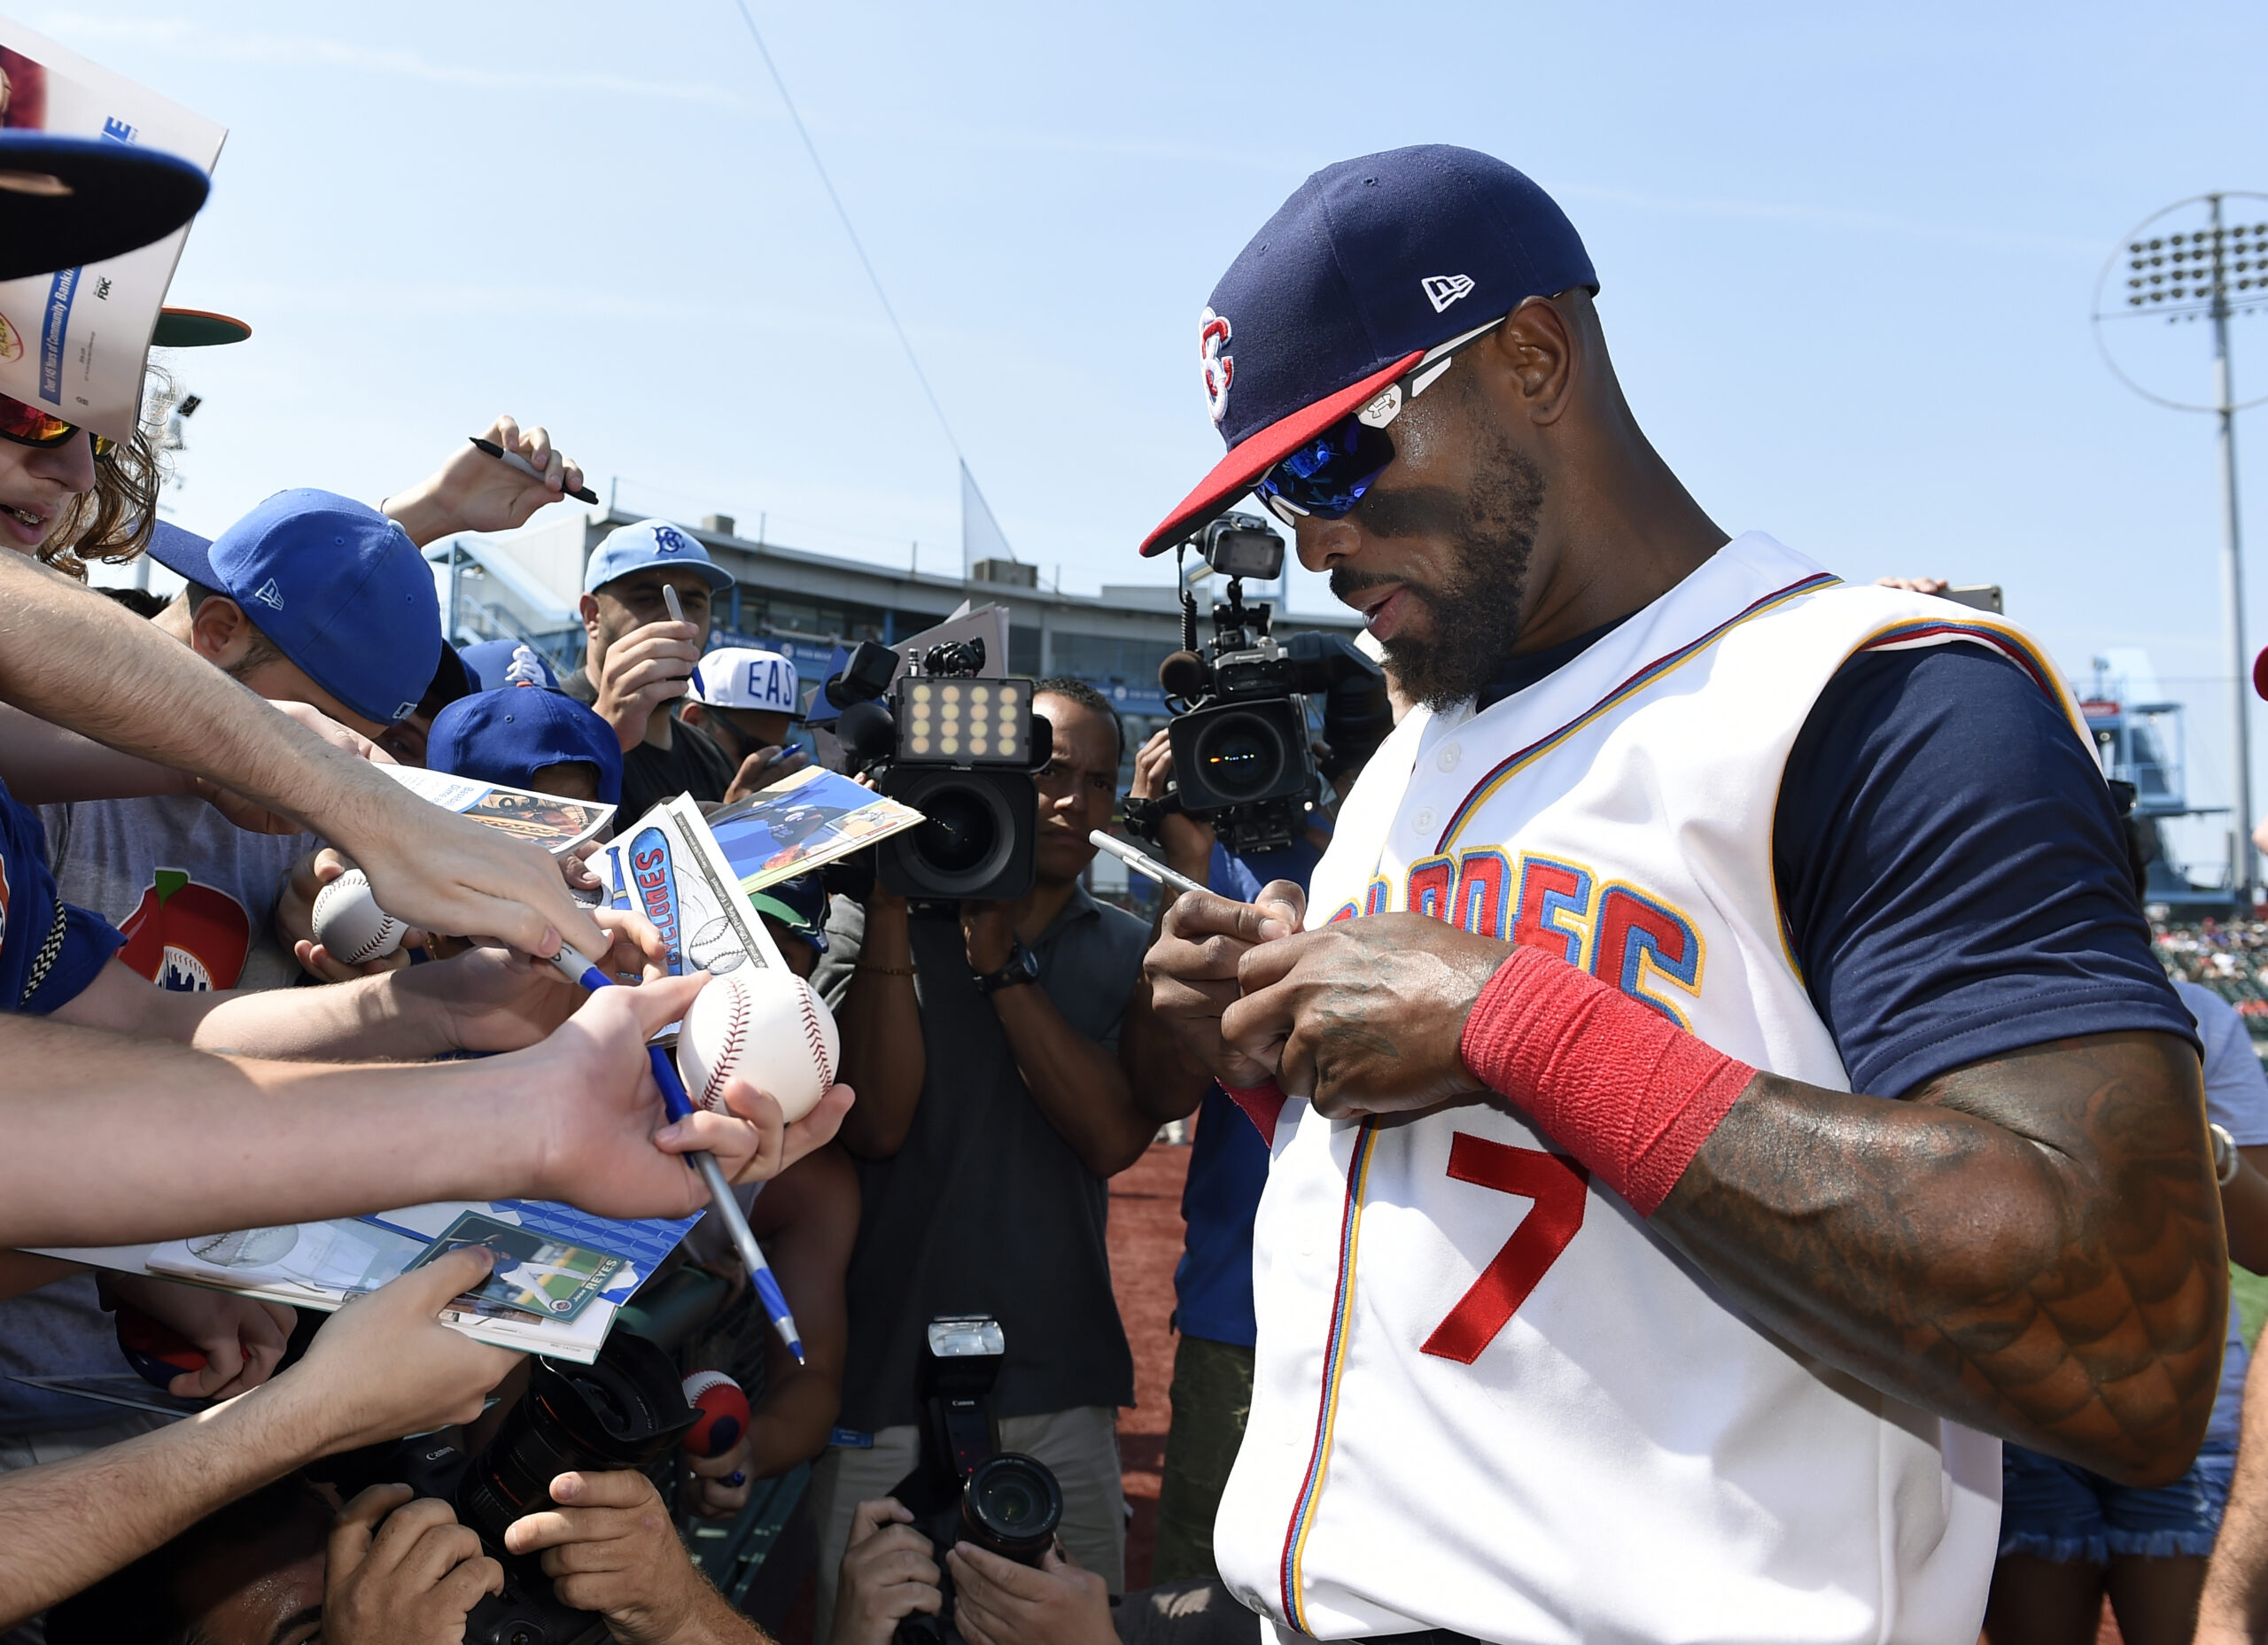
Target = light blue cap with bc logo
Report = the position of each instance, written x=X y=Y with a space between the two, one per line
x=629 y=548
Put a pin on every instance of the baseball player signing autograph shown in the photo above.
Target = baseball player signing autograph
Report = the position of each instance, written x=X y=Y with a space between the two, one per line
x=1720 y=1085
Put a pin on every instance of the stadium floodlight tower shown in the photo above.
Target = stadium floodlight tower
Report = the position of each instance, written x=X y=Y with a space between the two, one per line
x=2190 y=262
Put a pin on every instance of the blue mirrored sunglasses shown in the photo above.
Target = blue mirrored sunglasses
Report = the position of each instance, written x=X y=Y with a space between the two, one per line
x=1325 y=479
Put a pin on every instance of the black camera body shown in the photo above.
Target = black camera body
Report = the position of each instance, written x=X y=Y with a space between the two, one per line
x=1243 y=755
x=959 y=748
x=624 y=1411
x=967 y=1489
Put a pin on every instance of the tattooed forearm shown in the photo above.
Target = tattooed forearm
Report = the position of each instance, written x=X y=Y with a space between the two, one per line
x=2031 y=1246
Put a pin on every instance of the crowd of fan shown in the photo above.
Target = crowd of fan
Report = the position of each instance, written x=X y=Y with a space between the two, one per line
x=1006 y=1064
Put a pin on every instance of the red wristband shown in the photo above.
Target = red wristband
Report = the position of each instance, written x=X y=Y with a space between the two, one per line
x=1623 y=1088
x=1262 y=1105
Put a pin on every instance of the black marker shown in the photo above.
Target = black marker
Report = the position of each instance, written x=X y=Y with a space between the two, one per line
x=513 y=459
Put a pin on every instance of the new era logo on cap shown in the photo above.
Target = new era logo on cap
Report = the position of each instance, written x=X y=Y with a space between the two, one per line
x=269 y=595
x=1442 y=289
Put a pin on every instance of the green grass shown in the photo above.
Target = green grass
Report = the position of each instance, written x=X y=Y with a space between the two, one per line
x=2251 y=1293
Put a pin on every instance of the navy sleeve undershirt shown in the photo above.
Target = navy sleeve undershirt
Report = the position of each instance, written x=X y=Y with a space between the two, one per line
x=1953 y=873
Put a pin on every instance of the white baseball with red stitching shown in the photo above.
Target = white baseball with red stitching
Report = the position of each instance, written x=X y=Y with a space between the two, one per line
x=349 y=923
x=766 y=1026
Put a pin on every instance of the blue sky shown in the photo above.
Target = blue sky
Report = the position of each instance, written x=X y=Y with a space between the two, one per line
x=1848 y=257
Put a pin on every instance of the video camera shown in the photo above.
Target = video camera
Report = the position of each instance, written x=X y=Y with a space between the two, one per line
x=624 y=1411
x=967 y=1489
x=1243 y=758
x=960 y=749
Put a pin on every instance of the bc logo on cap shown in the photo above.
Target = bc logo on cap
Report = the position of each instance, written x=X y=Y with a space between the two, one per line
x=667 y=541
x=1212 y=348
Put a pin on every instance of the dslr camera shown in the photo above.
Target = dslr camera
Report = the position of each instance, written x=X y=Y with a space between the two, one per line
x=624 y=1411
x=1243 y=756
x=967 y=1489
x=960 y=749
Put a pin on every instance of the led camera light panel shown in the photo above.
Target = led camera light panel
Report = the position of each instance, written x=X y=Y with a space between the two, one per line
x=950 y=721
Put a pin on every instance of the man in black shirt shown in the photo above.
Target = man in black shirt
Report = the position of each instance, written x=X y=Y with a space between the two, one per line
x=1007 y=1065
x=638 y=659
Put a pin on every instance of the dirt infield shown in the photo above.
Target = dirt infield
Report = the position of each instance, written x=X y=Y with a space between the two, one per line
x=1144 y=1244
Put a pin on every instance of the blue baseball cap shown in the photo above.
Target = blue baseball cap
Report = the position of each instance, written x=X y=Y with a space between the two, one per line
x=629 y=548
x=1370 y=263
x=508 y=736
x=495 y=663
x=69 y=201
x=337 y=586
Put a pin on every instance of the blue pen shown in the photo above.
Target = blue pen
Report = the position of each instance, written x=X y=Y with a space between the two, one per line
x=720 y=1193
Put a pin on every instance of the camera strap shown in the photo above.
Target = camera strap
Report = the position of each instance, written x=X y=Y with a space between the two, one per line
x=1145 y=818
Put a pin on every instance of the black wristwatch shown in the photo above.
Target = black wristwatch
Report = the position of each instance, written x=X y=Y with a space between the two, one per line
x=1022 y=967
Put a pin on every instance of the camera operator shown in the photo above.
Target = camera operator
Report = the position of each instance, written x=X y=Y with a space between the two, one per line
x=639 y=661
x=1007 y=1066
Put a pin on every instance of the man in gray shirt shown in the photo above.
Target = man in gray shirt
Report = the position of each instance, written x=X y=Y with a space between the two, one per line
x=1006 y=1066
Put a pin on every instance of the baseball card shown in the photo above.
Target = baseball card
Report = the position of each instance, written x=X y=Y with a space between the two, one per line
x=558 y=826
x=803 y=821
x=668 y=867
x=533 y=1273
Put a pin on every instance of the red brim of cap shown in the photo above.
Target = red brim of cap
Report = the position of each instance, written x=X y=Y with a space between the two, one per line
x=1234 y=474
x=2260 y=673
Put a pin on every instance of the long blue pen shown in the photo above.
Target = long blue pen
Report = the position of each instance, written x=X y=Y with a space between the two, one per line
x=584 y=971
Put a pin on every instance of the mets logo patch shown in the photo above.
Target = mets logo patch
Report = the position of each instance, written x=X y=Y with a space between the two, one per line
x=1213 y=352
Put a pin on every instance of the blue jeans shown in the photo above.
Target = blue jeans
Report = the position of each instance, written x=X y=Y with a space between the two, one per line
x=2059 y=1512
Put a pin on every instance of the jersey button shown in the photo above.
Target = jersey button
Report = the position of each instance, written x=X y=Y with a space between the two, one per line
x=1448 y=757
x=1423 y=822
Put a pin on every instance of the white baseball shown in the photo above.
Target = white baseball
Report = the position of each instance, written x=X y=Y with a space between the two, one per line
x=350 y=924
x=766 y=1026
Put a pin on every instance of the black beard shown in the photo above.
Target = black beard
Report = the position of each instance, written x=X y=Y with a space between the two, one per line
x=1476 y=608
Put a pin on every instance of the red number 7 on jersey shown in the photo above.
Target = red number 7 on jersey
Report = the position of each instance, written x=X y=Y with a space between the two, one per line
x=1559 y=1187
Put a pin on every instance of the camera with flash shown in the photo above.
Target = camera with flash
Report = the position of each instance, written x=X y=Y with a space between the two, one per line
x=959 y=747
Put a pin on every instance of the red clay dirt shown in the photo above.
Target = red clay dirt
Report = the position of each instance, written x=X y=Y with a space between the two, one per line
x=1144 y=1244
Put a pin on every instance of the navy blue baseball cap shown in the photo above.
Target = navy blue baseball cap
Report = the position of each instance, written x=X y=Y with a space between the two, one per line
x=337 y=586
x=1370 y=263
x=508 y=736
x=67 y=201
x=629 y=548
x=494 y=663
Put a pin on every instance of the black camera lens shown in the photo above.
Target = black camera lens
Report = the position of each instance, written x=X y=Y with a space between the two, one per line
x=1012 y=1505
x=623 y=1411
x=972 y=837
x=960 y=830
x=1241 y=755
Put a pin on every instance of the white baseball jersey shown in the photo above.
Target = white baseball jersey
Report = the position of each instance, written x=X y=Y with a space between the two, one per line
x=1489 y=1398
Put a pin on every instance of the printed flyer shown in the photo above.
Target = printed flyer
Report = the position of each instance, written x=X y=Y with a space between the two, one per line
x=76 y=342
